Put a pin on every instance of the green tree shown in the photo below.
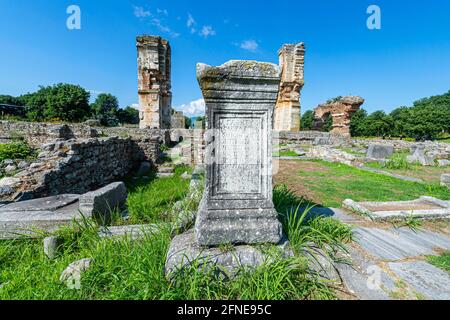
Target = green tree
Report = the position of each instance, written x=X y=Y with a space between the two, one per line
x=307 y=120
x=400 y=118
x=105 y=109
x=187 y=122
x=128 y=115
x=357 y=123
x=430 y=117
x=7 y=99
x=65 y=102
x=378 y=124
x=328 y=123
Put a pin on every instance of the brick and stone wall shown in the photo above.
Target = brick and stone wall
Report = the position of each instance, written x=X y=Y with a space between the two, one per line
x=36 y=133
x=309 y=137
x=73 y=166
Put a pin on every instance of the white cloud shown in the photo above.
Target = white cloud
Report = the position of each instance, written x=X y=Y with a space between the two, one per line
x=190 y=21
x=193 y=108
x=140 y=12
x=163 y=28
x=250 y=45
x=95 y=92
x=136 y=106
x=156 y=20
x=207 y=31
x=162 y=11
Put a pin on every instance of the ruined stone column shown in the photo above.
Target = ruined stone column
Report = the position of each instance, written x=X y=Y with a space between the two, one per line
x=237 y=202
x=155 y=97
x=287 y=109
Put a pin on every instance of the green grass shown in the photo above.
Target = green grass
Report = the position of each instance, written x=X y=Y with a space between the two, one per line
x=125 y=269
x=398 y=164
x=150 y=201
x=351 y=151
x=287 y=153
x=16 y=150
x=442 y=261
x=331 y=183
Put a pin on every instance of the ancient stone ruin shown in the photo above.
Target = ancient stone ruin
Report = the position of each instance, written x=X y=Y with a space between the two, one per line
x=341 y=111
x=177 y=120
x=237 y=206
x=154 y=85
x=287 y=109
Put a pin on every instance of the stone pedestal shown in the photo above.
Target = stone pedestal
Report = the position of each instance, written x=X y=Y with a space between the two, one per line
x=237 y=203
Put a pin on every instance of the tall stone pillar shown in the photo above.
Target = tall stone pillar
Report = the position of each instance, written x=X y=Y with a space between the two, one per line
x=154 y=86
x=287 y=109
x=237 y=202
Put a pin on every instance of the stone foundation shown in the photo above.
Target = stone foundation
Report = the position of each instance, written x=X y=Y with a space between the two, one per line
x=73 y=166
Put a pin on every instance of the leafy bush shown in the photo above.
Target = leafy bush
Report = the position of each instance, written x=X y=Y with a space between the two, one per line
x=15 y=150
x=397 y=161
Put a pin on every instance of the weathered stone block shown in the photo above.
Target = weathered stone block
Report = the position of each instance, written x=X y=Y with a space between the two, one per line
x=51 y=245
x=185 y=250
x=445 y=180
x=379 y=151
x=101 y=202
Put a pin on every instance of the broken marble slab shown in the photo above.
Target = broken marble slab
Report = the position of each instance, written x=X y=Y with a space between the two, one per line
x=400 y=244
x=34 y=217
x=42 y=204
x=133 y=232
x=424 y=208
x=103 y=201
x=364 y=278
x=429 y=281
x=17 y=224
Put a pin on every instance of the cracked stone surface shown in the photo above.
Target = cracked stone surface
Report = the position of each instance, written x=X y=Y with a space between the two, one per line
x=425 y=278
x=388 y=263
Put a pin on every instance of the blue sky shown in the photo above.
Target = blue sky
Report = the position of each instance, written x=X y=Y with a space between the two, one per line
x=409 y=58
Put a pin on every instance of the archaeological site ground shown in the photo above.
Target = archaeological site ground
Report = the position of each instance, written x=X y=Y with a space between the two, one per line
x=274 y=190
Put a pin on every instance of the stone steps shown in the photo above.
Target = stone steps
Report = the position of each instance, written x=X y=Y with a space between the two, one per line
x=164 y=172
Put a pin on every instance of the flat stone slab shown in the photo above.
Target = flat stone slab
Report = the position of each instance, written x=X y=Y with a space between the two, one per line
x=341 y=215
x=424 y=207
x=103 y=201
x=426 y=279
x=14 y=224
x=42 y=204
x=359 y=278
x=391 y=245
x=134 y=232
x=184 y=250
x=29 y=218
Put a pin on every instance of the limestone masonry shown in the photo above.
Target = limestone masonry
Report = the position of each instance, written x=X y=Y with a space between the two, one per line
x=341 y=111
x=154 y=86
x=237 y=202
x=287 y=109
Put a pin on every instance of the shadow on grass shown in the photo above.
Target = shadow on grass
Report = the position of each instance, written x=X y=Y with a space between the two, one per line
x=286 y=200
